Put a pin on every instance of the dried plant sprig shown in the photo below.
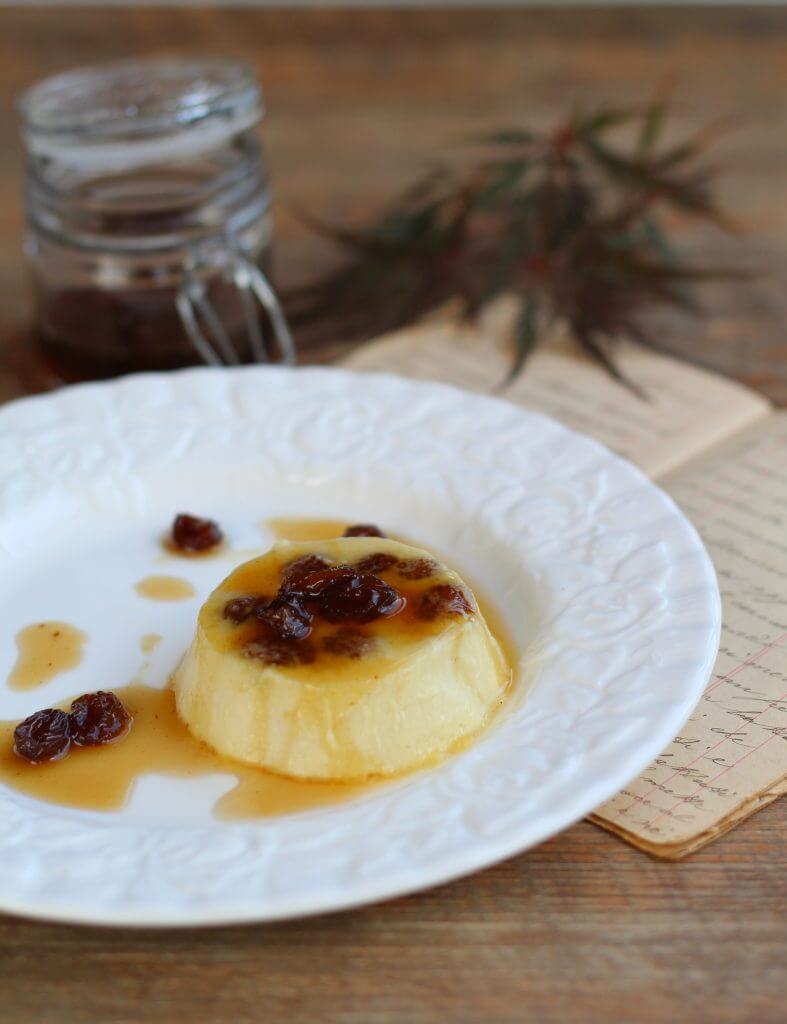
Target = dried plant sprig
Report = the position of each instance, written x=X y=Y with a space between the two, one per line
x=571 y=220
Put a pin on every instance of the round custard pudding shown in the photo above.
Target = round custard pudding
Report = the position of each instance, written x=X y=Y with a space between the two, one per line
x=348 y=684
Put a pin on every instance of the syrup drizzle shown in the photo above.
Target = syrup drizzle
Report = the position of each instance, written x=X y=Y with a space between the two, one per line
x=306 y=529
x=164 y=588
x=102 y=778
x=149 y=642
x=46 y=649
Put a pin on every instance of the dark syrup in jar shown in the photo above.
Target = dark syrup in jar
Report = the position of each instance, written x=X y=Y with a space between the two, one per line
x=99 y=333
x=143 y=177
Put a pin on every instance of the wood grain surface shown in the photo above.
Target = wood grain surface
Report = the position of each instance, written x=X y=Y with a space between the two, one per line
x=583 y=928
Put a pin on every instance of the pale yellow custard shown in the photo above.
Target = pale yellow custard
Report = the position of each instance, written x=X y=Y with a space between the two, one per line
x=352 y=699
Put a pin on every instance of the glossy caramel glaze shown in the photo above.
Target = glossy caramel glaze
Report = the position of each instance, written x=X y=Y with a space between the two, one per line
x=262 y=578
x=297 y=528
x=247 y=579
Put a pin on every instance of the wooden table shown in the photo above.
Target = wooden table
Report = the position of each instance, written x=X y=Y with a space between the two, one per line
x=583 y=928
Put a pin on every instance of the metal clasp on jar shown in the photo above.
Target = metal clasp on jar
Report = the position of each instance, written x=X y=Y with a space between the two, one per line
x=202 y=324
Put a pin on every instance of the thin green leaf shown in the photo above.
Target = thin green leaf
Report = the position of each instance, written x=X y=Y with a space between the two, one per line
x=651 y=230
x=502 y=181
x=568 y=222
x=603 y=120
x=596 y=349
x=404 y=226
x=511 y=250
x=651 y=127
x=525 y=338
x=681 y=153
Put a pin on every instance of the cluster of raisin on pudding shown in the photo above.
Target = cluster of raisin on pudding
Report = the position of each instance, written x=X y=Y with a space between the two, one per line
x=315 y=591
x=340 y=659
x=94 y=719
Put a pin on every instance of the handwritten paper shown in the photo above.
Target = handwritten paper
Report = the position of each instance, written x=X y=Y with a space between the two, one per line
x=731 y=757
x=688 y=409
x=717 y=448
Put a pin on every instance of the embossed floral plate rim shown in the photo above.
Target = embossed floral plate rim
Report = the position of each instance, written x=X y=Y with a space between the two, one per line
x=617 y=616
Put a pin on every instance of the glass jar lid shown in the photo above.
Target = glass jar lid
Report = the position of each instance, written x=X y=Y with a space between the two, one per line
x=130 y=113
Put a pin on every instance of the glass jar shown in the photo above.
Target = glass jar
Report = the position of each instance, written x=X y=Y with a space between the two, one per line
x=148 y=218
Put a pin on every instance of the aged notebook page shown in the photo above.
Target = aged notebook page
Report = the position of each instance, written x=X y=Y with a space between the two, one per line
x=731 y=757
x=689 y=409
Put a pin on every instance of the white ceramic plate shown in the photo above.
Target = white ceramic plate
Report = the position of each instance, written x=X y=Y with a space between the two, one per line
x=604 y=585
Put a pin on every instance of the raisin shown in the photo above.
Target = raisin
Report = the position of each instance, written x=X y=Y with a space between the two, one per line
x=350 y=643
x=238 y=609
x=443 y=599
x=301 y=566
x=344 y=594
x=98 y=718
x=286 y=617
x=364 y=530
x=44 y=736
x=376 y=563
x=274 y=651
x=359 y=598
x=312 y=584
x=417 y=568
x=192 y=533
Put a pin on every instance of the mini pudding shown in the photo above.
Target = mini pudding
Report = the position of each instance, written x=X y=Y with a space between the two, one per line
x=340 y=659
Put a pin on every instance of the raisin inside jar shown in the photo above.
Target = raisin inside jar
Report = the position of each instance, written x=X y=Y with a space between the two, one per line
x=96 y=333
x=135 y=261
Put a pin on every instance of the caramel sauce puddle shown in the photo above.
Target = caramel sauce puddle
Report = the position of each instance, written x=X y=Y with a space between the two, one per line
x=164 y=588
x=46 y=649
x=149 y=642
x=102 y=778
x=306 y=529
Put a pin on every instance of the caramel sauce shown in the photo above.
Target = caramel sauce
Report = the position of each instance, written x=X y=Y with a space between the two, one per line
x=102 y=778
x=164 y=588
x=302 y=529
x=171 y=548
x=149 y=642
x=306 y=529
x=46 y=649
x=263 y=577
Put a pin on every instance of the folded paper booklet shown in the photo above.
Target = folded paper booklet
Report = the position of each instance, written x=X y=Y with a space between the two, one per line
x=721 y=451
